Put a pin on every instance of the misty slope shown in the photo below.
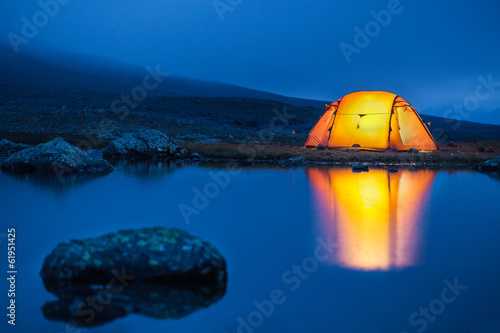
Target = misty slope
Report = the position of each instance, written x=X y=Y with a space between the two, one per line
x=105 y=75
x=66 y=94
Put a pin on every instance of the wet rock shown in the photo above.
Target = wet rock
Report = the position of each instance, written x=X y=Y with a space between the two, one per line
x=294 y=162
x=360 y=167
x=144 y=144
x=195 y=157
x=159 y=255
x=55 y=156
x=9 y=147
x=320 y=147
x=413 y=150
x=490 y=165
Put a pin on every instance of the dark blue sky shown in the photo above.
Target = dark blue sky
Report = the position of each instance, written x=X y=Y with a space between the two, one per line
x=431 y=52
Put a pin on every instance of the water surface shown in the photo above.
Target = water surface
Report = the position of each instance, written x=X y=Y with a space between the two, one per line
x=336 y=251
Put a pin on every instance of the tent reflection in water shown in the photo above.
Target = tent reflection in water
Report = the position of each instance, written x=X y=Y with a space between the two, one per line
x=374 y=217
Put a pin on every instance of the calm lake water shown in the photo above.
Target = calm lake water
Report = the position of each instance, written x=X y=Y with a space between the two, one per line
x=337 y=251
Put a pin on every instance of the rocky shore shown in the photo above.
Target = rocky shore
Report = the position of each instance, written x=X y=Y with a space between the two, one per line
x=59 y=156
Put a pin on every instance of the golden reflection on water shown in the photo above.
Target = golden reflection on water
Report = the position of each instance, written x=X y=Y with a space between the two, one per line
x=375 y=217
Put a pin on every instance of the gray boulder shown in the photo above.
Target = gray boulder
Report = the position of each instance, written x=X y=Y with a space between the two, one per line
x=144 y=144
x=153 y=255
x=8 y=147
x=490 y=165
x=55 y=156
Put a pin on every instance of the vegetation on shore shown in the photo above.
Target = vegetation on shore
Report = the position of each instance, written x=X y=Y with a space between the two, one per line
x=464 y=154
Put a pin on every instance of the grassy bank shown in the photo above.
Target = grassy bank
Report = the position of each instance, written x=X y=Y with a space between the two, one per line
x=464 y=154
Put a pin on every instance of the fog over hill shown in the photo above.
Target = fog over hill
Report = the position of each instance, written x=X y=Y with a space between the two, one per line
x=92 y=73
x=54 y=94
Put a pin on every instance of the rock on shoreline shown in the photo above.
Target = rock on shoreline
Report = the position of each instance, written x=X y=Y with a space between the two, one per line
x=296 y=161
x=55 y=156
x=490 y=165
x=144 y=144
x=9 y=147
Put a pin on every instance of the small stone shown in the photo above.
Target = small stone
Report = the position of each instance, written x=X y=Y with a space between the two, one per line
x=195 y=157
x=360 y=166
x=294 y=162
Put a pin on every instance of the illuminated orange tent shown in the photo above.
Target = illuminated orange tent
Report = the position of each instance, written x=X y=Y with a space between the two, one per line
x=371 y=120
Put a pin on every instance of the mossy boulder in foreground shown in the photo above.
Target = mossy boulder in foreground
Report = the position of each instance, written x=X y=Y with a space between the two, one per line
x=144 y=144
x=156 y=272
x=55 y=156
x=159 y=255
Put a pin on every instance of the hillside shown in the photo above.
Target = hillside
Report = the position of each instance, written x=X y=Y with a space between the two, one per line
x=72 y=96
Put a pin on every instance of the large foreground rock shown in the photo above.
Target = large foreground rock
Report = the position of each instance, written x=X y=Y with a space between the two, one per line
x=157 y=272
x=144 y=144
x=160 y=255
x=9 y=147
x=490 y=165
x=55 y=156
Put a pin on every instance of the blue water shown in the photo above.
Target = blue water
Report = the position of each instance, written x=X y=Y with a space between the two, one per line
x=395 y=239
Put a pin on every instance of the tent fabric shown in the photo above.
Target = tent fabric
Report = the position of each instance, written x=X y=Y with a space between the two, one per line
x=371 y=120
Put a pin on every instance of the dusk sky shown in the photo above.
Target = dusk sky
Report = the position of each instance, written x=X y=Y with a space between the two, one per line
x=429 y=52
